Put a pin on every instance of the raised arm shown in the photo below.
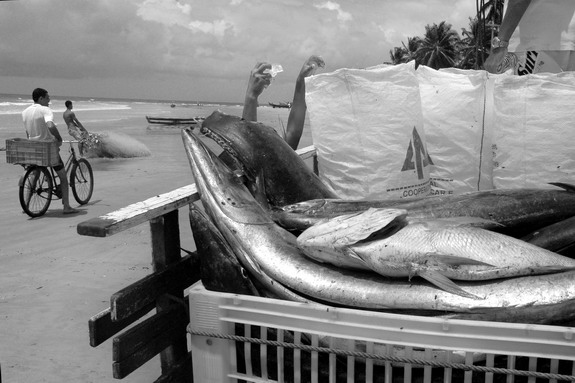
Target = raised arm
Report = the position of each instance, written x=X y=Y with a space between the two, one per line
x=296 y=119
x=257 y=82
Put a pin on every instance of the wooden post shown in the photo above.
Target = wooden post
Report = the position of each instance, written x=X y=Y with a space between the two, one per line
x=165 y=233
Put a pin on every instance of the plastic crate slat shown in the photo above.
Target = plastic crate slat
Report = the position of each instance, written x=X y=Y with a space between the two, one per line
x=404 y=337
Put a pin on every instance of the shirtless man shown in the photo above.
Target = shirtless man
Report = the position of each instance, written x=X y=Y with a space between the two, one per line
x=75 y=127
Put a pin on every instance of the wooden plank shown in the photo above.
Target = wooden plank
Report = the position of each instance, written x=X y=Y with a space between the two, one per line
x=182 y=372
x=154 y=207
x=101 y=327
x=307 y=152
x=166 y=251
x=138 y=213
x=179 y=276
x=139 y=344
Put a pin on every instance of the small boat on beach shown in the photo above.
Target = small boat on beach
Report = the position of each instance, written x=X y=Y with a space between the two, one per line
x=286 y=104
x=174 y=121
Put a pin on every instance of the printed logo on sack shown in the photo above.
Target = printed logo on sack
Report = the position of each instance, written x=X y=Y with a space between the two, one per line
x=529 y=66
x=416 y=157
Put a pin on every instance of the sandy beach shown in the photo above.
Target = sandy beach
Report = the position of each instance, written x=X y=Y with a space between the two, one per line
x=52 y=280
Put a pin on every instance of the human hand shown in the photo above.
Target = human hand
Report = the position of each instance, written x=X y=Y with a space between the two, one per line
x=258 y=80
x=311 y=65
x=494 y=63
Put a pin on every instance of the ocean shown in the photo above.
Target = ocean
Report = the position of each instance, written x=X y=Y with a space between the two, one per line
x=129 y=116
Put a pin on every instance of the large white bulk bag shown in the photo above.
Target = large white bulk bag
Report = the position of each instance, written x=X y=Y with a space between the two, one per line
x=367 y=127
x=457 y=128
x=534 y=130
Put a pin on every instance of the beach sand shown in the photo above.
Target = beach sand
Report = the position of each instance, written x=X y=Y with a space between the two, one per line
x=52 y=280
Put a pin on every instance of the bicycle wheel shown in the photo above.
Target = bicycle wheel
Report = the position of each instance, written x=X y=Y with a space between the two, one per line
x=36 y=191
x=82 y=181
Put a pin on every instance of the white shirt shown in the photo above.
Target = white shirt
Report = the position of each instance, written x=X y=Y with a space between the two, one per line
x=35 y=119
x=547 y=25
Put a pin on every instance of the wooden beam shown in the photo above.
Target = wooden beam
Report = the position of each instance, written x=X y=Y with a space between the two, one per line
x=144 y=292
x=138 y=213
x=307 y=152
x=154 y=207
x=181 y=373
x=139 y=344
x=101 y=326
x=165 y=232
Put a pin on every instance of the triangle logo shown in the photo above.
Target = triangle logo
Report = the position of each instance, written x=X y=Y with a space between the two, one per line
x=416 y=157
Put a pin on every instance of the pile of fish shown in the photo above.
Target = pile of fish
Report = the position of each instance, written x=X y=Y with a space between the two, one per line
x=269 y=226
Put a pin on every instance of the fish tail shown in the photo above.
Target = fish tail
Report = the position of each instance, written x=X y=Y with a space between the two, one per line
x=445 y=283
x=567 y=187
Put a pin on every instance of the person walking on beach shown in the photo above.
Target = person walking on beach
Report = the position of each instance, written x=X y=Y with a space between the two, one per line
x=75 y=127
x=39 y=124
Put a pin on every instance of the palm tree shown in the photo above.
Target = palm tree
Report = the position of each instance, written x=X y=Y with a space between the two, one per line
x=413 y=44
x=474 y=45
x=396 y=55
x=438 y=48
x=491 y=10
x=476 y=41
x=405 y=53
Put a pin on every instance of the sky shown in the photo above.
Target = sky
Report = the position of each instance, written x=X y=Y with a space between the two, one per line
x=199 y=50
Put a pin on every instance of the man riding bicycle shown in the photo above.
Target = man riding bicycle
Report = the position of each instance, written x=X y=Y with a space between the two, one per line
x=39 y=124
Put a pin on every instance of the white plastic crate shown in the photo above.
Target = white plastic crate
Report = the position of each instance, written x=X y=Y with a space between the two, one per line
x=32 y=152
x=397 y=345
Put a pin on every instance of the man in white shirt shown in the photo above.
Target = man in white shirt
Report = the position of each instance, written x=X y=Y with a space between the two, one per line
x=39 y=123
x=535 y=36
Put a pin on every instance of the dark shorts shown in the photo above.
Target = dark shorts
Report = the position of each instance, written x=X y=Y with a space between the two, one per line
x=60 y=166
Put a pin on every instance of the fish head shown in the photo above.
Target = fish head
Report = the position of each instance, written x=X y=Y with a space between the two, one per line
x=246 y=143
x=271 y=167
x=219 y=186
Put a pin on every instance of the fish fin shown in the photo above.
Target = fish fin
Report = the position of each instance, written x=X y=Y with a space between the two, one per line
x=445 y=284
x=247 y=258
x=352 y=254
x=258 y=191
x=363 y=226
x=454 y=260
x=552 y=269
x=567 y=187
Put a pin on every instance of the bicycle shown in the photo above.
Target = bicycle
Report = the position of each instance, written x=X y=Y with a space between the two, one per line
x=40 y=183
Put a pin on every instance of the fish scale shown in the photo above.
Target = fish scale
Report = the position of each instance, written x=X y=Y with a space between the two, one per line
x=439 y=250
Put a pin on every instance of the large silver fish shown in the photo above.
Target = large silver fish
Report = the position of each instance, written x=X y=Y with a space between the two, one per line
x=248 y=227
x=437 y=250
x=516 y=211
x=220 y=264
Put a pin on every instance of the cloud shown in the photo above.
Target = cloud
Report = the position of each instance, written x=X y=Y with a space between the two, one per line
x=216 y=42
x=167 y=12
x=217 y=28
x=333 y=6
